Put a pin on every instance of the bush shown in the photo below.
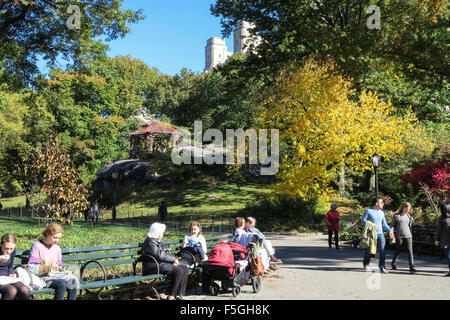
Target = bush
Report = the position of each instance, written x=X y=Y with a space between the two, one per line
x=284 y=213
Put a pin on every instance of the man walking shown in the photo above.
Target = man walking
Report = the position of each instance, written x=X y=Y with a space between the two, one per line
x=376 y=216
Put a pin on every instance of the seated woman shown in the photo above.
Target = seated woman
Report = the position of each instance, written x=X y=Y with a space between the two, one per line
x=168 y=264
x=195 y=242
x=244 y=236
x=45 y=252
x=13 y=290
x=250 y=226
x=241 y=236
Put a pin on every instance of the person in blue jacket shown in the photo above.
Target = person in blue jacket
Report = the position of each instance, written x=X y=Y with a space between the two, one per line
x=376 y=215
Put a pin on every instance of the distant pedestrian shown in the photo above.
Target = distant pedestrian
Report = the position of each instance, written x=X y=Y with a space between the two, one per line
x=443 y=231
x=95 y=210
x=1 y=206
x=376 y=216
x=332 y=220
x=162 y=212
x=402 y=225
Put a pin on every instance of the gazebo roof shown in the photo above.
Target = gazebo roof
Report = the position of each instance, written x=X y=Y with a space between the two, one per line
x=154 y=126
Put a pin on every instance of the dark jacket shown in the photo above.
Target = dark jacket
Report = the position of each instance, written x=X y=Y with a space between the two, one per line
x=7 y=268
x=158 y=251
x=443 y=232
x=395 y=223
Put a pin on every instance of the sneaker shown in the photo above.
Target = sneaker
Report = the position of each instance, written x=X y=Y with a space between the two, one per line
x=275 y=260
x=178 y=298
x=448 y=274
x=393 y=267
x=273 y=267
x=367 y=267
x=412 y=269
x=384 y=271
x=338 y=248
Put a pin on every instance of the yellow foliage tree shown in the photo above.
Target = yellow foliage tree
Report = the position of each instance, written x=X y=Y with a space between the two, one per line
x=323 y=124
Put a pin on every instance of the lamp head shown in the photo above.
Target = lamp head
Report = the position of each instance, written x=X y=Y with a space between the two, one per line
x=375 y=160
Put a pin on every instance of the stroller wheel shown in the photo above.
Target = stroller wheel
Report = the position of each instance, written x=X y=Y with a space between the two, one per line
x=256 y=284
x=236 y=291
x=214 y=289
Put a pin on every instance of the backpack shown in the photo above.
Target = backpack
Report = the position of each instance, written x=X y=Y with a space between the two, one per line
x=221 y=255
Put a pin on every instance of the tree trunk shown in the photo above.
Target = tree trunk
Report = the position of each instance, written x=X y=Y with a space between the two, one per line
x=342 y=181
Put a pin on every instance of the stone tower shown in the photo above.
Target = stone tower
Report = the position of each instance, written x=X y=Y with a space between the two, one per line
x=243 y=40
x=216 y=53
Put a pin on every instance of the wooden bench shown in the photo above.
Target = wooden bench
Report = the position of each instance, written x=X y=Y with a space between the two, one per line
x=101 y=257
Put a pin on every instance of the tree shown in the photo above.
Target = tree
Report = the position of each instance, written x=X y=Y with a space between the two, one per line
x=406 y=59
x=324 y=125
x=131 y=81
x=30 y=30
x=413 y=32
x=65 y=194
x=221 y=98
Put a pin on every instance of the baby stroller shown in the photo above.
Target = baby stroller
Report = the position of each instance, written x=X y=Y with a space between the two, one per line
x=231 y=264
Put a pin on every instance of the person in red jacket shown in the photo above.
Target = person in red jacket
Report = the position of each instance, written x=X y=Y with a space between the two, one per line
x=332 y=219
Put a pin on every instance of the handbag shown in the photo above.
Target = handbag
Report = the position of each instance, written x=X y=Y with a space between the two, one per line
x=257 y=265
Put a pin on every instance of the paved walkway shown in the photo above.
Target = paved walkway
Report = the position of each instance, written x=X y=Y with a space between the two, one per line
x=313 y=271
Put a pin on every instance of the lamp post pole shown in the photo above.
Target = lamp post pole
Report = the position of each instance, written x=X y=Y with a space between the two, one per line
x=375 y=162
x=115 y=176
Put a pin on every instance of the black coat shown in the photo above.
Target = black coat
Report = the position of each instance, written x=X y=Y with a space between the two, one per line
x=158 y=251
x=443 y=232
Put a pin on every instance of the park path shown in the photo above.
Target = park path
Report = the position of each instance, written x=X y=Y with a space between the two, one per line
x=313 y=271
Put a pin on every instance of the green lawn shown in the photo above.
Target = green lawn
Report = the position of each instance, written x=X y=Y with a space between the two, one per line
x=189 y=202
x=208 y=202
x=78 y=235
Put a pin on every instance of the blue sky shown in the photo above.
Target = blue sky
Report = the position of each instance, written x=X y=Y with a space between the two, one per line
x=172 y=36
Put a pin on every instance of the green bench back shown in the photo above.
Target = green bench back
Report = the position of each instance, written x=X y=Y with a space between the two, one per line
x=120 y=254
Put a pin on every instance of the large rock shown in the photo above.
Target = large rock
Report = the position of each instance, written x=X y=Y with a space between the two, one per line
x=132 y=174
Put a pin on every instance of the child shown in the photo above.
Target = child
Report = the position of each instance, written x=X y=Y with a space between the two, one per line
x=194 y=242
x=14 y=289
x=45 y=256
x=332 y=219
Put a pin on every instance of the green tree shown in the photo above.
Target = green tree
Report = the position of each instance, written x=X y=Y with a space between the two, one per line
x=407 y=59
x=30 y=30
x=131 y=81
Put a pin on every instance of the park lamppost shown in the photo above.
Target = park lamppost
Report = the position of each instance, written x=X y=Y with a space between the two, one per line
x=115 y=176
x=376 y=162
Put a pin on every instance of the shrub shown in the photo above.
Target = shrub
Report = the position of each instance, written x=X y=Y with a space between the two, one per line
x=285 y=213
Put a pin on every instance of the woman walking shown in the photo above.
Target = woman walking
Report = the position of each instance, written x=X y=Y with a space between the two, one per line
x=332 y=219
x=402 y=225
x=443 y=231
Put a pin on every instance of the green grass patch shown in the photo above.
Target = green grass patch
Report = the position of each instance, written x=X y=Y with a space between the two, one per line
x=79 y=234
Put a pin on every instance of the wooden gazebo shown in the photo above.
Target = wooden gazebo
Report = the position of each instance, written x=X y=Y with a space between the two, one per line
x=153 y=135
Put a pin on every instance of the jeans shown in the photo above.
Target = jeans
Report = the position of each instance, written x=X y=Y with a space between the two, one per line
x=60 y=287
x=447 y=252
x=381 y=247
x=398 y=249
x=196 y=249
